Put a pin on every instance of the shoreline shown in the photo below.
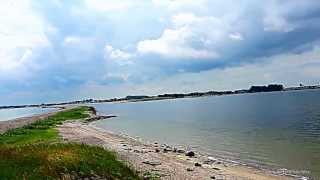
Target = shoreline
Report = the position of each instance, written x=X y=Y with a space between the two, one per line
x=161 y=160
x=22 y=121
x=204 y=158
x=151 y=160
x=153 y=98
x=36 y=151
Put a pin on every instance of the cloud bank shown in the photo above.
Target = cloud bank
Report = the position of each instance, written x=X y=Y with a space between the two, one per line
x=58 y=50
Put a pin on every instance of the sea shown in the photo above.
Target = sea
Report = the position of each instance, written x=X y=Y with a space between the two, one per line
x=9 y=114
x=276 y=130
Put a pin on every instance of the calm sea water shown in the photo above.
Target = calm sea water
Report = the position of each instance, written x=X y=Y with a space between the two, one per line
x=8 y=114
x=280 y=129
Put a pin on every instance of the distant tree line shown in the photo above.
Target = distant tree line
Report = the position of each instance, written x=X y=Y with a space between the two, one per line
x=269 y=88
x=252 y=89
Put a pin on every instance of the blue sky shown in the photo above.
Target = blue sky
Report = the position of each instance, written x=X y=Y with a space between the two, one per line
x=66 y=50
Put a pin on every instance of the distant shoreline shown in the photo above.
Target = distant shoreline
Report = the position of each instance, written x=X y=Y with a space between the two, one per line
x=252 y=90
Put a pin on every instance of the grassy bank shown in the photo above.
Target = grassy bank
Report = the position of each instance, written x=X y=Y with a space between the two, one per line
x=36 y=152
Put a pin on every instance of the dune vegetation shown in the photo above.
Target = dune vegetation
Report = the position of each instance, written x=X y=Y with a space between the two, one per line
x=36 y=151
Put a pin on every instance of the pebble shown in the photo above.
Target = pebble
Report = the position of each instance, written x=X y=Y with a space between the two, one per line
x=190 y=154
x=190 y=169
x=152 y=163
x=209 y=161
x=181 y=151
x=165 y=150
x=197 y=164
x=215 y=168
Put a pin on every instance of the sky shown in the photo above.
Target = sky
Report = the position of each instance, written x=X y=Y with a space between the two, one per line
x=55 y=50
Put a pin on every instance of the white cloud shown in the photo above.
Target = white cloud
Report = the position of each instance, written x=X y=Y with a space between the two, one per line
x=109 y=5
x=116 y=54
x=72 y=40
x=187 y=19
x=190 y=37
x=117 y=76
x=21 y=33
x=275 y=17
x=173 y=44
x=176 y=5
x=236 y=36
x=86 y=44
x=276 y=23
x=78 y=48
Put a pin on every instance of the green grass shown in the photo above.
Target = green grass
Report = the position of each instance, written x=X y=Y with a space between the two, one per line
x=41 y=131
x=35 y=152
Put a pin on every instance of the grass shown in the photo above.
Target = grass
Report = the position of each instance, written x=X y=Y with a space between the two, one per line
x=35 y=151
x=41 y=131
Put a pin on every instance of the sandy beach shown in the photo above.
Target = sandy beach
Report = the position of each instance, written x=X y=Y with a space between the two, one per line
x=160 y=160
x=151 y=160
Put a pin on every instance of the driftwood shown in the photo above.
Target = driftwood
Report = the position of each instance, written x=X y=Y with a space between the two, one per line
x=97 y=118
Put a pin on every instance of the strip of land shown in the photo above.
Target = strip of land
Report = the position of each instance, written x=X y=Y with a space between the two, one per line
x=77 y=149
x=23 y=121
x=34 y=150
x=252 y=89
